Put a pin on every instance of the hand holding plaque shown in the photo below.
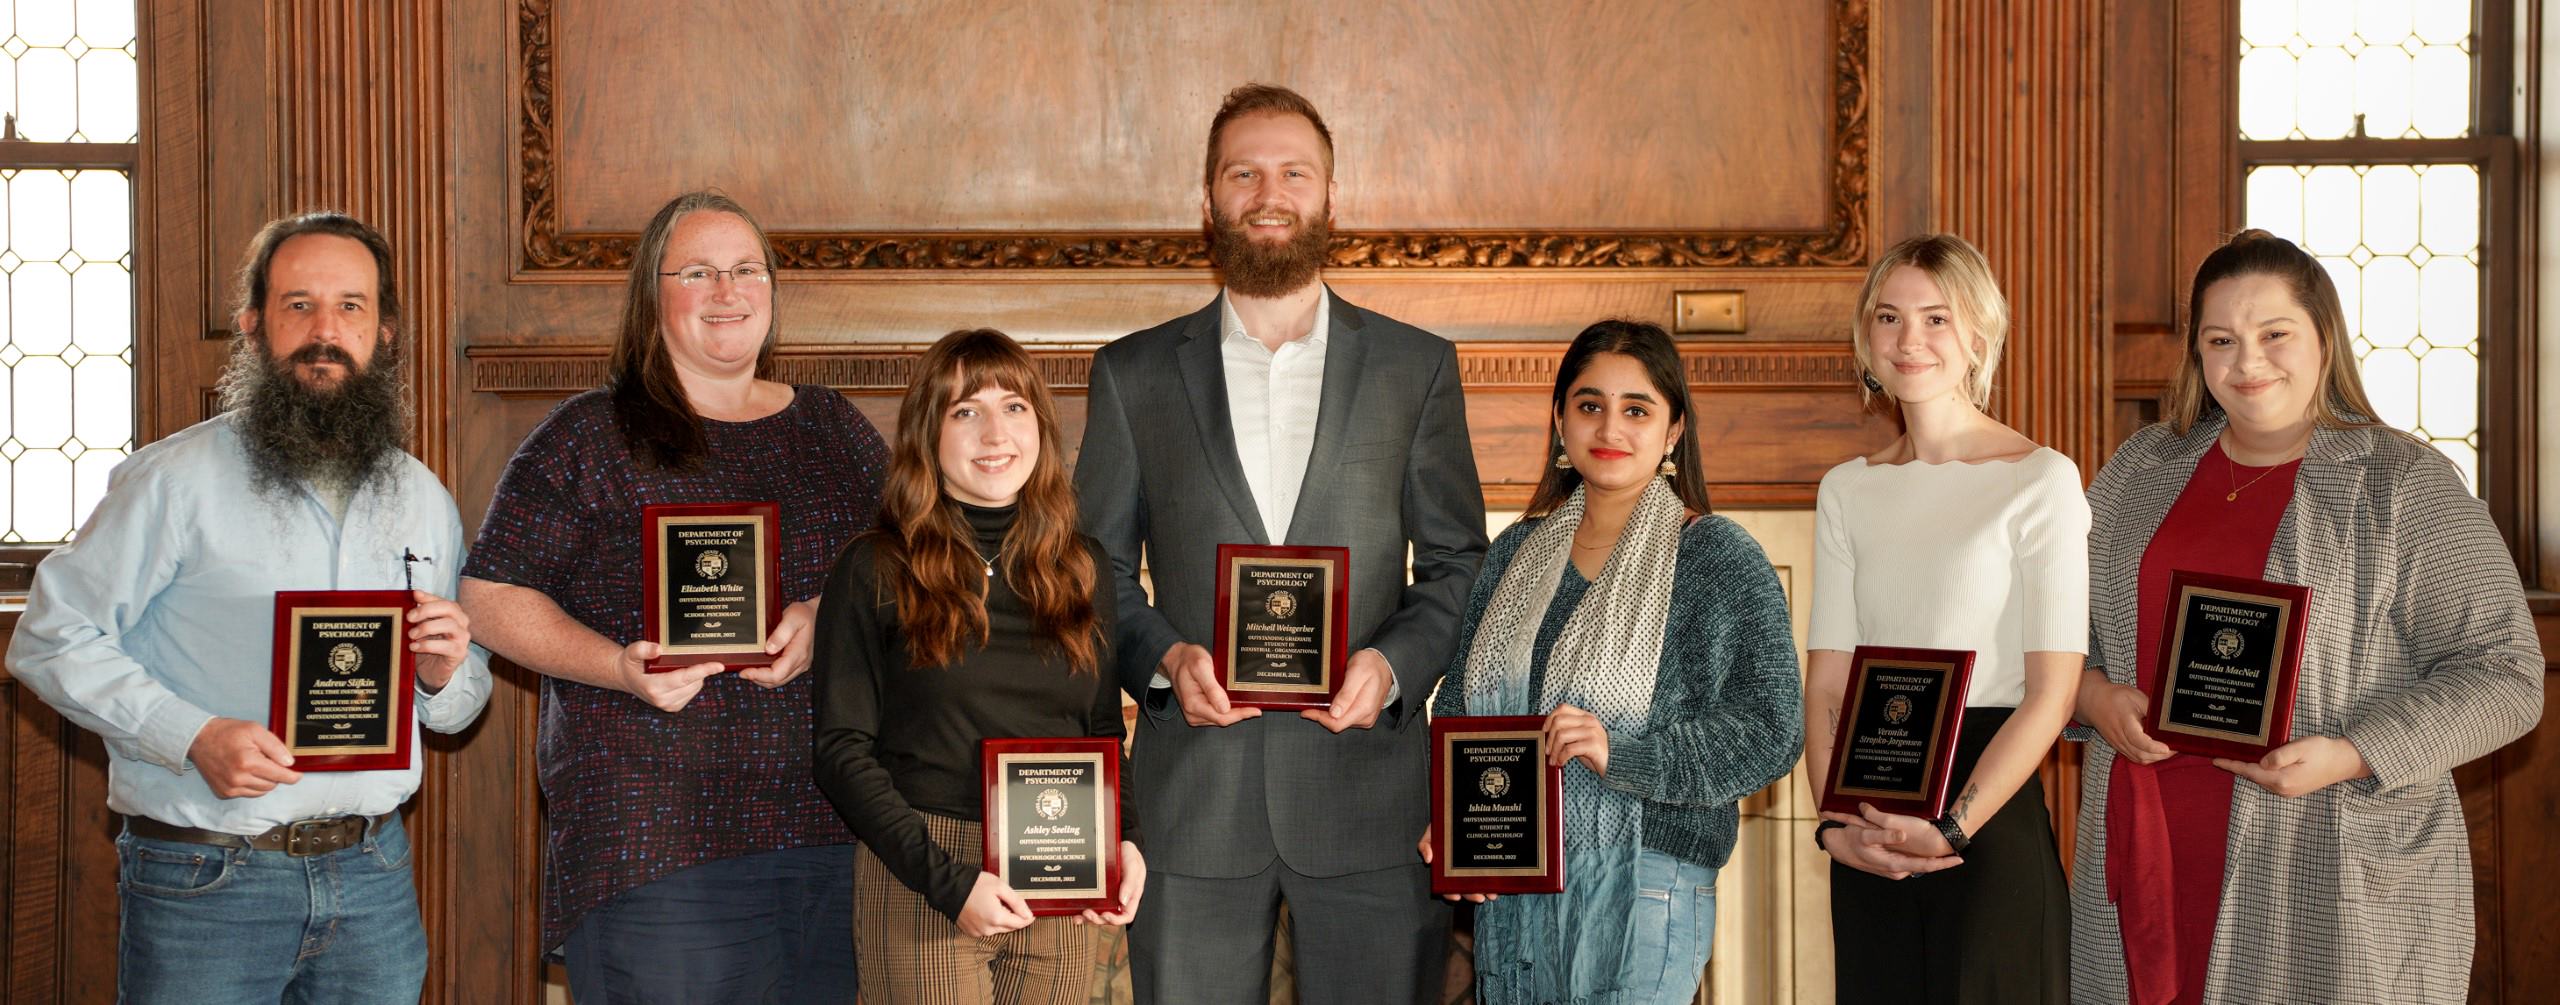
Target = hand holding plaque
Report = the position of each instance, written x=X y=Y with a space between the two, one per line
x=1899 y=719
x=1284 y=617
x=342 y=694
x=2230 y=656
x=1497 y=806
x=711 y=582
x=1052 y=822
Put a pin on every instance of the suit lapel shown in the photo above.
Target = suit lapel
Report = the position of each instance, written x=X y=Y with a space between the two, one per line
x=1204 y=381
x=1344 y=353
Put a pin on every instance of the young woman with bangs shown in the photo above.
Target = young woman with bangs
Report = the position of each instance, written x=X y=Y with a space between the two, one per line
x=975 y=610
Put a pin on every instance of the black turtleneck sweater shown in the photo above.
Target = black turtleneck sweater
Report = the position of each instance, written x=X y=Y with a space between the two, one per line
x=893 y=739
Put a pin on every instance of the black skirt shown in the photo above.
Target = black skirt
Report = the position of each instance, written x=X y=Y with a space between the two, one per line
x=1995 y=929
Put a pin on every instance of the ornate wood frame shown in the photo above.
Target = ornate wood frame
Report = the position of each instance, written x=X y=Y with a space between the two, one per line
x=556 y=372
x=546 y=248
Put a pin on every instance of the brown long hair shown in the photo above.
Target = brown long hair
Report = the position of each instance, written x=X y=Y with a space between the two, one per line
x=2340 y=400
x=657 y=420
x=928 y=555
x=1652 y=347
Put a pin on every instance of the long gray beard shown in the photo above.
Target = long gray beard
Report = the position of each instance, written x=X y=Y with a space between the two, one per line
x=350 y=436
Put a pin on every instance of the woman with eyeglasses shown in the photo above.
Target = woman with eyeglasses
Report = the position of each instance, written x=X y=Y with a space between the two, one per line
x=690 y=855
x=2335 y=868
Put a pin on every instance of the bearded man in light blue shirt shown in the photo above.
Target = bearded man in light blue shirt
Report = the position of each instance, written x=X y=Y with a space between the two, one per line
x=241 y=878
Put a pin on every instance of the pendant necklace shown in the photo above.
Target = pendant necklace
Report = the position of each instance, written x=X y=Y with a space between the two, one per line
x=2231 y=474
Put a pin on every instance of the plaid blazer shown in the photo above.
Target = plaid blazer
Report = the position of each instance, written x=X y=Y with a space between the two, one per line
x=2419 y=651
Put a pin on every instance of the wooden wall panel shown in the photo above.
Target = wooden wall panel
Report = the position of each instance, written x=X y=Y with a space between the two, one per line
x=1500 y=114
x=1567 y=144
x=2018 y=175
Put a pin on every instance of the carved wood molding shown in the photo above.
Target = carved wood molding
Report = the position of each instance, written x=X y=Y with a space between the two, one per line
x=547 y=248
x=559 y=371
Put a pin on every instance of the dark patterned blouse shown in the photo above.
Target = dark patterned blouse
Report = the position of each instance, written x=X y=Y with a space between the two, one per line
x=634 y=793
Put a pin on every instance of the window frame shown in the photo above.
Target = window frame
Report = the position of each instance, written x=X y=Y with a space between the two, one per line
x=2495 y=148
x=17 y=559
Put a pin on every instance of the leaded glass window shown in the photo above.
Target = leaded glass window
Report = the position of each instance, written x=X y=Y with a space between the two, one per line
x=67 y=151
x=2361 y=140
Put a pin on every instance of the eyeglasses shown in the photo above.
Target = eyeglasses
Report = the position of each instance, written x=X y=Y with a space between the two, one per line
x=743 y=274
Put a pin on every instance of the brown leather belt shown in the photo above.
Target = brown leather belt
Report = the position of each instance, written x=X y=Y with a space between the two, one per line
x=316 y=836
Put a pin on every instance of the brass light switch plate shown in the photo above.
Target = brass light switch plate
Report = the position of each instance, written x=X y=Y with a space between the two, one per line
x=1707 y=312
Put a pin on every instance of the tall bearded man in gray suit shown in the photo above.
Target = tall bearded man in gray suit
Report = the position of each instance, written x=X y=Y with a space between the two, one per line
x=1282 y=414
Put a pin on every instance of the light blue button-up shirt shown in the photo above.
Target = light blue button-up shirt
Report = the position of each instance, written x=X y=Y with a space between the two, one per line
x=161 y=616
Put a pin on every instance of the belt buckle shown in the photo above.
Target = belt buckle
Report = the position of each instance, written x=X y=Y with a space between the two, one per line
x=320 y=836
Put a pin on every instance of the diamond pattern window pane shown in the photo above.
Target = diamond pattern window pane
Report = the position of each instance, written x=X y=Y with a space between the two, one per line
x=2312 y=69
x=2403 y=243
x=67 y=70
x=66 y=345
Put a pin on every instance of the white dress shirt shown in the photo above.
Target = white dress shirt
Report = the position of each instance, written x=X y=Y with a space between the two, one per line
x=1272 y=400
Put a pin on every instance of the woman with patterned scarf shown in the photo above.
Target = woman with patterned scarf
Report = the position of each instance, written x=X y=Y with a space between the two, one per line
x=1654 y=639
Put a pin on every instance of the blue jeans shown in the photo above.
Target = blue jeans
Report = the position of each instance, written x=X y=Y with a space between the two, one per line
x=772 y=927
x=1671 y=931
x=206 y=923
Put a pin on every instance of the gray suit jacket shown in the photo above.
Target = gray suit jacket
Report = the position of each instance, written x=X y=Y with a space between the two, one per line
x=2420 y=651
x=1158 y=478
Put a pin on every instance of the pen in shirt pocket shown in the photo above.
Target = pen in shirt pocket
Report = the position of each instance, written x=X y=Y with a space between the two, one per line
x=409 y=568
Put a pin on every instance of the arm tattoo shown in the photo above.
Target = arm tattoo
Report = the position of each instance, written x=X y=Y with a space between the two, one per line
x=1964 y=802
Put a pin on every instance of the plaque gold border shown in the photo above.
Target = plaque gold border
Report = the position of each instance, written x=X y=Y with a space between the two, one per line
x=391 y=675
x=2283 y=630
x=1448 y=784
x=1938 y=732
x=664 y=598
x=1235 y=634
x=1001 y=821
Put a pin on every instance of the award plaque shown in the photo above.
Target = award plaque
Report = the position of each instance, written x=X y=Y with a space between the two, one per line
x=1497 y=808
x=2230 y=652
x=711 y=582
x=344 y=681
x=1899 y=719
x=1282 y=615
x=1052 y=821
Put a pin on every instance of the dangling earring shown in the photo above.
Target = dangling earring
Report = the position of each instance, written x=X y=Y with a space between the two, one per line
x=1874 y=386
x=1563 y=462
x=1668 y=469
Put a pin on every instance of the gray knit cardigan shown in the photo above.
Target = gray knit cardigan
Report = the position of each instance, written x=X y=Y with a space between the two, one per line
x=1728 y=707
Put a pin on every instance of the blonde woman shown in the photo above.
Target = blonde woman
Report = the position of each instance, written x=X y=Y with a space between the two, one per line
x=2340 y=857
x=1960 y=534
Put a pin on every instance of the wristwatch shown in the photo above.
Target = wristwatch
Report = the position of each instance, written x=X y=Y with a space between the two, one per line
x=1955 y=834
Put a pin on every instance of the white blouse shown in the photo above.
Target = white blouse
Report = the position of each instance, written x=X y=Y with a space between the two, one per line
x=1991 y=557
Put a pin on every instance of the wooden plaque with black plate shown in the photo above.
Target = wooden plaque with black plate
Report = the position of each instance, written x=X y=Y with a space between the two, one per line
x=1900 y=716
x=711 y=582
x=2230 y=655
x=1284 y=614
x=1497 y=807
x=1052 y=821
x=345 y=682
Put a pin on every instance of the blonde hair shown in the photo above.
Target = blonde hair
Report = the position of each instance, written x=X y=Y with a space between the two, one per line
x=1980 y=310
x=2340 y=400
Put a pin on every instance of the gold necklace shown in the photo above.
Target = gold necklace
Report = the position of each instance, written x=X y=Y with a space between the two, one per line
x=2231 y=475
